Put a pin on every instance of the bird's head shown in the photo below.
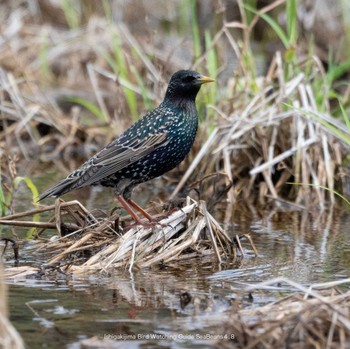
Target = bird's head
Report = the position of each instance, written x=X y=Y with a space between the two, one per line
x=185 y=84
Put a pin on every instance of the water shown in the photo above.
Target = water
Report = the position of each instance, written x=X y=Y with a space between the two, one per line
x=306 y=247
x=65 y=311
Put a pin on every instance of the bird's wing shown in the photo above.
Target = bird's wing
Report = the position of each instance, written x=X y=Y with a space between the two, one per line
x=117 y=156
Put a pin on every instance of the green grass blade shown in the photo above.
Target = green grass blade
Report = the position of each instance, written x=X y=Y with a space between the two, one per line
x=345 y=115
x=336 y=71
x=31 y=186
x=2 y=198
x=292 y=22
x=249 y=15
x=273 y=24
x=212 y=64
x=110 y=60
x=92 y=108
x=121 y=68
x=43 y=55
x=107 y=10
x=335 y=130
x=71 y=13
x=33 y=189
x=141 y=84
x=195 y=30
x=324 y=188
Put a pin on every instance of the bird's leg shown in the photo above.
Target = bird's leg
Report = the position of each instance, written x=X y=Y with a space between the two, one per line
x=141 y=210
x=128 y=206
x=145 y=214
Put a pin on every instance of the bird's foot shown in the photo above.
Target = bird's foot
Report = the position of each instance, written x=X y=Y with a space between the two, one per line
x=145 y=224
x=129 y=205
x=152 y=221
x=162 y=216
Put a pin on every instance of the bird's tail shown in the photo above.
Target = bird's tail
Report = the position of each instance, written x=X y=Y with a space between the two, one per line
x=59 y=189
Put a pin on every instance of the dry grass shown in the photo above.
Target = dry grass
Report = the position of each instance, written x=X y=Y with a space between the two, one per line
x=261 y=133
x=37 y=117
x=87 y=243
x=263 y=143
x=257 y=142
x=313 y=319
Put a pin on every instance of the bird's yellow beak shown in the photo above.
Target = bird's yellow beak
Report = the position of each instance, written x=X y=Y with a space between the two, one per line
x=205 y=79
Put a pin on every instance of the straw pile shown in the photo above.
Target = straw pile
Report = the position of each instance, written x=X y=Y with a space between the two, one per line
x=88 y=244
x=314 y=319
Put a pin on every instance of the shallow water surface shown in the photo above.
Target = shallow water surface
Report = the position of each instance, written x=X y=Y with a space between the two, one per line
x=184 y=305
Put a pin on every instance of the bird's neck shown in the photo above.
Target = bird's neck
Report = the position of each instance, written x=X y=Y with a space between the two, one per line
x=183 y=103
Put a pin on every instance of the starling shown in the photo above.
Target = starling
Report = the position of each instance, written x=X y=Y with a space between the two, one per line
x=152 y=146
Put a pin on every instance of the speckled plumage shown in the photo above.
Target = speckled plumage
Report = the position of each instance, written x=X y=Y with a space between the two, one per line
x=155 y=144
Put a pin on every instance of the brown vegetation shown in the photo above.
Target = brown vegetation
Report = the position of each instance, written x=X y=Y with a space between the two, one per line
x=312 y=319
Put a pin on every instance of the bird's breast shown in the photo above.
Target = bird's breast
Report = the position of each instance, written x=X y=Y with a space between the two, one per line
x=180 y=127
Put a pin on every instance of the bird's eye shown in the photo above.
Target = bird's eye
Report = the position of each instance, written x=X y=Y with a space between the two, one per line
x=189 y=78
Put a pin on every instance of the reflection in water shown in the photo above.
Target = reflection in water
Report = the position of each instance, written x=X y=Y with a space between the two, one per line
x=301 y=245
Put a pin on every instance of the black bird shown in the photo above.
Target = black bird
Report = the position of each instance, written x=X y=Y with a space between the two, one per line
x=155 y=144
